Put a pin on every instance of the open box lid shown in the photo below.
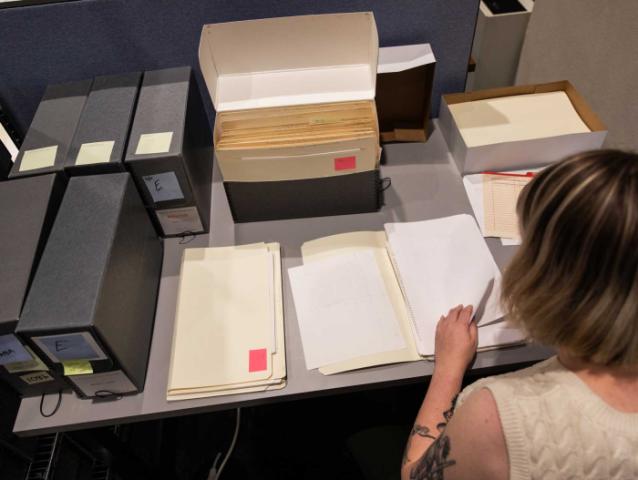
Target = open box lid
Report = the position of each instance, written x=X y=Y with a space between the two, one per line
x=290 y=60
x=404 y=57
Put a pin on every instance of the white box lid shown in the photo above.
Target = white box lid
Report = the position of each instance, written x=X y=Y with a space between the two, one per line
x=290 y=60
x=404 y=57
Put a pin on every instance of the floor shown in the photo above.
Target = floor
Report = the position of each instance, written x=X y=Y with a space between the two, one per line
x=348 y=436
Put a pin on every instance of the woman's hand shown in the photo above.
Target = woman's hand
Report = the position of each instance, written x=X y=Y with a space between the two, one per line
x=456 y=342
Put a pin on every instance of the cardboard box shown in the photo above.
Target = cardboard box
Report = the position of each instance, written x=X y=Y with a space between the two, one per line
x=170 y=151
x=47 y=142
x=498 y=39
x=91 y=306
x=405 y=76
x=29 y=207
x=271 y=67
x=100 y=140
x=511 y=155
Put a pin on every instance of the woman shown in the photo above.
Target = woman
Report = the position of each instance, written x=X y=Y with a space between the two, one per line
x=573 y=284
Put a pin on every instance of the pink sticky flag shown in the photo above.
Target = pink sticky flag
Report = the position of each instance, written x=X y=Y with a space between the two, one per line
x=257 y=360
x=346 y=163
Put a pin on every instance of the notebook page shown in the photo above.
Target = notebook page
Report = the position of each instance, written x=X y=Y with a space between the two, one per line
x=343 y=309
x=443 y=263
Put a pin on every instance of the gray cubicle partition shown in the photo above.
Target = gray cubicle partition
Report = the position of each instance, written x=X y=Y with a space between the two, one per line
x=75 y=40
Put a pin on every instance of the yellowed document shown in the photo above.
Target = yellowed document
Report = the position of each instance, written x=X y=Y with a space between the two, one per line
x=500 y=194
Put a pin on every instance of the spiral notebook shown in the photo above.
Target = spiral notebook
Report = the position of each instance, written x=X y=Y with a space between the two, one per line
x=425 y=268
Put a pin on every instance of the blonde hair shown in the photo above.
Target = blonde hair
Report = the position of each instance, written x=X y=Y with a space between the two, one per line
x=574 y=281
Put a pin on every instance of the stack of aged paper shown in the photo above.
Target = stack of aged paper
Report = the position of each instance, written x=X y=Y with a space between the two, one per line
x=281 y=127
x=229 y=327
x=372 y=298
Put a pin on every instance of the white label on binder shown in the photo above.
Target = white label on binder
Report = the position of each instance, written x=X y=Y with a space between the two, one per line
x=177 y=221
x=70 y=346
x=12 y=350
x=115 y=382
x=95 y=152
x=154 y=143
x=163 y=187
x=38 y=158
x=35 y=378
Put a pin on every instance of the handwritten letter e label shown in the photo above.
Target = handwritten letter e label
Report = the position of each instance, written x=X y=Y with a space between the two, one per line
x=70 y=346
x=163 y=187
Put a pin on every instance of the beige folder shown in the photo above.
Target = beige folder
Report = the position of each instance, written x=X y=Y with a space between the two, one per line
x=229 y=330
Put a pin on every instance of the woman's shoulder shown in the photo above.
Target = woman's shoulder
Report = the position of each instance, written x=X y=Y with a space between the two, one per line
x=531 y=381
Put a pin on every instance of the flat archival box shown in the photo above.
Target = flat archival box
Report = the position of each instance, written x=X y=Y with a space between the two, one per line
x=497 y=129
x=295 y=101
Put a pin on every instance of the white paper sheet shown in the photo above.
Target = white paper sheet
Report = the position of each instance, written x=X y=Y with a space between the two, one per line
x=343 y=309
x=516 y=118
x=442 y=263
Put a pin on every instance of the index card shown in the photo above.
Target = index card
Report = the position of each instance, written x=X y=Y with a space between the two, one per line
x=500 y=195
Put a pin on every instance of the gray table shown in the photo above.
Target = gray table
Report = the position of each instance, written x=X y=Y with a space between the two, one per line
x=425 y=184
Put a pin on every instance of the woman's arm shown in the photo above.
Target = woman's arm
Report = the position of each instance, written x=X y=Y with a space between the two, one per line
x=472 y=445
x=455 y=345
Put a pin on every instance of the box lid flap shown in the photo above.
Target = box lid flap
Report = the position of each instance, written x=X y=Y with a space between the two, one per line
x=404 y=57
x=290 y=60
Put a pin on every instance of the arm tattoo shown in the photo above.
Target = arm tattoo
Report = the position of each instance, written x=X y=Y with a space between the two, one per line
x=424 y=431
x=434 y=461
x=421 y=431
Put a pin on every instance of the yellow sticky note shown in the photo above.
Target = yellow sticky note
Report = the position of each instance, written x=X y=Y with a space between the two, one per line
x=77 y=367
x=38 y=158
x=154 y=143
x=95 y=152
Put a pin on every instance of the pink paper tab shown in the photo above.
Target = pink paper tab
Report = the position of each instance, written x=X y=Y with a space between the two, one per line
x=346 y=163
x=257 y=360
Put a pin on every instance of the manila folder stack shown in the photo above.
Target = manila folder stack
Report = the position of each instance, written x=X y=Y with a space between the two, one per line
x=229 y=326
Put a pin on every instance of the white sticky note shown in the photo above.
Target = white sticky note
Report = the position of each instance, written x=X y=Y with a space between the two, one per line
x=95 y=152
x=177 y=221
x=70 y=346
x=38 y=158
x=12 y=350
x=163 y=187
x=154 y=143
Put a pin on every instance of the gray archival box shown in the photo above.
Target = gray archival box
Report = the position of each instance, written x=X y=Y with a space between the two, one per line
x=28 y=207
x=93 y=297
x=49 y=137
x=170 y=152
x=100 y=140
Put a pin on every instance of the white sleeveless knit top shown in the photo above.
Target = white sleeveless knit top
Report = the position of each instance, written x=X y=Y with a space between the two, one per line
x=556 y=428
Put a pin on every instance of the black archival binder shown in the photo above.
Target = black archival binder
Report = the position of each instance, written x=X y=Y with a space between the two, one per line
x=49 y=137
x=28 y=209
x=93 y=297
x=100 y=139
x=317 y=197
x=170 y=150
